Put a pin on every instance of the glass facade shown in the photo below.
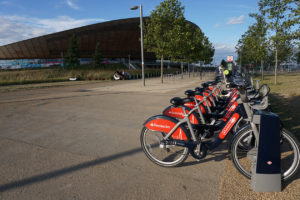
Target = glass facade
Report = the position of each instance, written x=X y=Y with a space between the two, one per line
x=36 y=63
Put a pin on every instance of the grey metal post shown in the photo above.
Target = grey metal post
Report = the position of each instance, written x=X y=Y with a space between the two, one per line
x=241 y=59
x=142 y=40
x=142 y=44
x=62 y=59
x=129 y=61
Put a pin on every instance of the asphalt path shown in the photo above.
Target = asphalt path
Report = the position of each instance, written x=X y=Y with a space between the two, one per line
x=82 y=142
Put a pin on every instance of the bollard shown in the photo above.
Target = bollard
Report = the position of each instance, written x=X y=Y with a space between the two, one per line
x=266 y=169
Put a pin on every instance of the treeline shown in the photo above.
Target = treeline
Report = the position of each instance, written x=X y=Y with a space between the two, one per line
x=169 y=35
x=274 y=36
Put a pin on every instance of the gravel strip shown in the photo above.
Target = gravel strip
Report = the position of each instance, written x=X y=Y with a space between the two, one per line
x=234 y=185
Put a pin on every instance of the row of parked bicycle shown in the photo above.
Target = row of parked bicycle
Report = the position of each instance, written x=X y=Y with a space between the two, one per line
x=203 y=119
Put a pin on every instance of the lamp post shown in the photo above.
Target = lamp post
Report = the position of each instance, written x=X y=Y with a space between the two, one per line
x=129 y=61
x=241 y=59
x=142 y=40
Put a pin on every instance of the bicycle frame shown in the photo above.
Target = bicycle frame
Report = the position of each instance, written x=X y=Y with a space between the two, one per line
x=182 y=121
x=242 y=111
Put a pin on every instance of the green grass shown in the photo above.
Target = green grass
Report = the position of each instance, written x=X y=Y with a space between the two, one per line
x=58 y=74
x=285 y=99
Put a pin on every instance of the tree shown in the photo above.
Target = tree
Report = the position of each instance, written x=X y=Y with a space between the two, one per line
x=189 y=45
x=97 y=58
x=71 y=57
x=206 y=54
x=259 y=40
x=298 y=57
x=285 y=50
x=224 y=63
x=281 y=16
x=160 y=27
x=253 y=45
x=208 y=51
x=178 y=47
x=184 y=43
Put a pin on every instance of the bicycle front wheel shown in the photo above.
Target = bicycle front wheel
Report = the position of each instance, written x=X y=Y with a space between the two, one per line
x=163 y=155
x=243 y=149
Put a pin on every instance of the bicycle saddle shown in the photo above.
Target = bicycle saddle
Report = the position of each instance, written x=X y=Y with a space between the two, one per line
x=210 y=83
x=189 y=93
x=205 y=85
x=199 y=89
x=177 y=101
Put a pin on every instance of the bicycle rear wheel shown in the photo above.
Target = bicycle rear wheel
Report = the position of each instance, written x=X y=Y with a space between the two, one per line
x=243 y=149
x=166 y=156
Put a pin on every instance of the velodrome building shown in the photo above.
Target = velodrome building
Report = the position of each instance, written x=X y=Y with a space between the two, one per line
x=119 y=39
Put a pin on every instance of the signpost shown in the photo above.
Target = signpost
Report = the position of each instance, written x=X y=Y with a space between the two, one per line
x=229 y=58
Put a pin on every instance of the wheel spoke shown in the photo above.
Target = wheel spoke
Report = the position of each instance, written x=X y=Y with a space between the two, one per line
x=243 y=152
x=169 y=155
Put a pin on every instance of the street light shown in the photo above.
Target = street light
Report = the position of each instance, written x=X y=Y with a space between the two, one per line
x=241 y=59
x=142 y=39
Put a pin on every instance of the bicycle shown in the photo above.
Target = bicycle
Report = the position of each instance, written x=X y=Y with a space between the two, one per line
x=167 y=141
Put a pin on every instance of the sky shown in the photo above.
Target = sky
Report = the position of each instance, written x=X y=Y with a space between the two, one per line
x=222 y=21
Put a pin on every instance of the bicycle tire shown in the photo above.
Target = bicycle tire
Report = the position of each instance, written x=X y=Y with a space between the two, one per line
x=289 y=157
x=166 y=157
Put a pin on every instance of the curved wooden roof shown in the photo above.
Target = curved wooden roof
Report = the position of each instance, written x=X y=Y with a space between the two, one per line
x=118 y=39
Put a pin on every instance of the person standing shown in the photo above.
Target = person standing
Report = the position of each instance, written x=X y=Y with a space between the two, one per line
x=221 y=69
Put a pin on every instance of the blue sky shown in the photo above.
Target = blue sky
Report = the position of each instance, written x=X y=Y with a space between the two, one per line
x=222 y=21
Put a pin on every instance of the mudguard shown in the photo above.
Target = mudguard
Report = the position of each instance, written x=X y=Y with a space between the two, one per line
x=203 y=109
x=177 y=112
x=200 y=98
x=191 y=105
x=165 y=124
x=232 y=100
x=207 y=95
x=232 y=93
x=231 y=122
x=230 y=111
x=212 y=89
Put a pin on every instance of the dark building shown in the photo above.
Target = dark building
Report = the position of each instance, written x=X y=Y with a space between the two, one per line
x=118 y=39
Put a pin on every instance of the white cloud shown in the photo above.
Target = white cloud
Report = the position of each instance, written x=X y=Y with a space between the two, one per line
x=217 y=25
x=11 y=4
x=241 y=6
x=222 y=50
x=63 y=23
x=16 y=28
x=224 y=47
x=72 y=5
x=5 y=3
x=236 y=20
x=15 y=31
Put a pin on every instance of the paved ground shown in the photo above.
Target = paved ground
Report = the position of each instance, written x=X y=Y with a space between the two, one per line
x=82 y=142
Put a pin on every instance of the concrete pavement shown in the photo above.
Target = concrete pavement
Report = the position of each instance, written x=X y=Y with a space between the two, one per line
x=82 y=142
